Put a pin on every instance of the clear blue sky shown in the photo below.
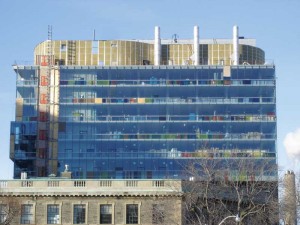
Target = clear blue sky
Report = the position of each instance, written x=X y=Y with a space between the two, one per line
x=274 y=23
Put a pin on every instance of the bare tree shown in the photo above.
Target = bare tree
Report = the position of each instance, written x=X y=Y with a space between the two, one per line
x=158 y=213
x=10 y=206
x=10 y=209
x=228 y=191
x=164 y=210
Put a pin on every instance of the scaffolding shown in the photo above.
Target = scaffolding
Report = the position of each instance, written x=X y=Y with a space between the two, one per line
x=48 y=97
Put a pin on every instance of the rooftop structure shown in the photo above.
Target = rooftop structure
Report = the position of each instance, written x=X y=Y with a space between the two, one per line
x=142 y=109
x=143 y=52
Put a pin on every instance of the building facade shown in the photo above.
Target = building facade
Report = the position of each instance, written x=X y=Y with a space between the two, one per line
x=142 y=109
x=65 y=201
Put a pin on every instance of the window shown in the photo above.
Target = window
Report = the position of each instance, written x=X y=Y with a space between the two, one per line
x=106 y=214
x=63 y=47
x=158 y=214
x=3 y=213
x=27 y=214
x=53 y=214
x=79 y=214
x=132 y=213
x=95 y=47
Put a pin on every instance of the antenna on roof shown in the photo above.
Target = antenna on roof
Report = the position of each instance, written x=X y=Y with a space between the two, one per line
x=175 y=38
x=94 y=35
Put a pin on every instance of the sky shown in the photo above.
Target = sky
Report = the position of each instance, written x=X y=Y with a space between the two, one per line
x=273 y=23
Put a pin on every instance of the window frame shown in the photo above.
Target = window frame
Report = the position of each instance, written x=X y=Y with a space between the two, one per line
x=29 y=214
x=58 y=211
x=129 y=220
x=111 y=213
x=85 y=213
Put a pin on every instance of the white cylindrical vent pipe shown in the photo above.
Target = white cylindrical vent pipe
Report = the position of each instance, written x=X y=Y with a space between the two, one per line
x=157 y=46
x=196 y=45
x=236 y=54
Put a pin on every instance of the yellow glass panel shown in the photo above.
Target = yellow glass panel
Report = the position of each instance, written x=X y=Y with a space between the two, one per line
x=141 y=100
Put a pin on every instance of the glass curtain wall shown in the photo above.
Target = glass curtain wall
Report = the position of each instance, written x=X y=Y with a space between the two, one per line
x=142 y=122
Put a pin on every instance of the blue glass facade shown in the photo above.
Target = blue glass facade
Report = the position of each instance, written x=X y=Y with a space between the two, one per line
x=147 y=122
x=23 y=135
x=143 y=123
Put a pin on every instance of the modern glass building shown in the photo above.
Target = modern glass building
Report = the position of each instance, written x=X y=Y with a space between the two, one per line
x=123 y=109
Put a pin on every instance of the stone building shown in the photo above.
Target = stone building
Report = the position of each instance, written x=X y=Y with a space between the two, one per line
x=69 y=201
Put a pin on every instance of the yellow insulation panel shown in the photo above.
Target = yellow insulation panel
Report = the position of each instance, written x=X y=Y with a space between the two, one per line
x=19 y=107
x=98 y=100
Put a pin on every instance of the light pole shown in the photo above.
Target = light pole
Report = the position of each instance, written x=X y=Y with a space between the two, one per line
x=237 y=219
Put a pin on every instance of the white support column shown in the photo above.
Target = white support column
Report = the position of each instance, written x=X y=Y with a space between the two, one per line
x=157 y=47
x=236 y=54
x=196 y=45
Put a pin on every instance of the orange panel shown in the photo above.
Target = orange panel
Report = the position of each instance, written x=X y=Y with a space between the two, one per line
x=44 y=81
x=44 y=60
x=43 y=99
